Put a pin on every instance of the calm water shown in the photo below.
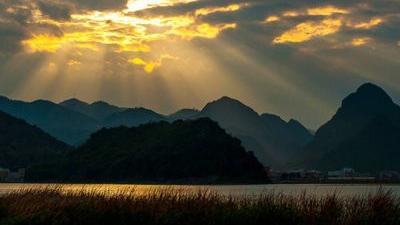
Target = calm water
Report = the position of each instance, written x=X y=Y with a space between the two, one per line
x=235 y=190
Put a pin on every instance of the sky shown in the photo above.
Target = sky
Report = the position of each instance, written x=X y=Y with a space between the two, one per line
x=297 y=59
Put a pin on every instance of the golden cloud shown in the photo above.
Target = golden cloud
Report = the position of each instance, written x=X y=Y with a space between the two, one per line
x=149 y=66
x=203 y=30
x=124 y=31
x=309 y=30
x=48 y=43
x=326 y=11
x=367 y=25
x=290 y=14
x=271 y=19
x=360 y=41
x=206 y=11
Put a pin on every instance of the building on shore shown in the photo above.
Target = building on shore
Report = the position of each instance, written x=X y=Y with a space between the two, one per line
x=345 y=172
x=6 y=175
x=389 y=176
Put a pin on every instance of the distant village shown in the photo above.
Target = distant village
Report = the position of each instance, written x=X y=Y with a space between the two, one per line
x=6 y=175
x=345 y=175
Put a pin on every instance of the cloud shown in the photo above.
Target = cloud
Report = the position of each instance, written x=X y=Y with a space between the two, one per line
x=55 y=10
x=99 y=4
x=367 y=25
x=122 y=31
x=11 y=35
x=326 y=11
x=309 y=30
x=14 y=17
x=113 y=43
x=271 y=19
x=149 y=66
x=211 y=10
x=203 y=30
x=360 y=41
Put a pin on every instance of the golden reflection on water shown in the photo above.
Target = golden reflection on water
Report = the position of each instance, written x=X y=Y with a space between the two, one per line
x=225 y=190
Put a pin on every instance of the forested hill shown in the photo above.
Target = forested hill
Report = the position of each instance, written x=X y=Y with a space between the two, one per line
x=183 y=151
x=23 y=145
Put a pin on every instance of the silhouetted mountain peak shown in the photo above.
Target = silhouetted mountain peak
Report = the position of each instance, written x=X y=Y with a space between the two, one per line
x=132 y=117
x=352 y=134
x=73 y=102
x=368 y=96
x=229 y=101
x=272 y=118
x=184 y=114
x=100 y=103
x=4 y=98
x=227 y=104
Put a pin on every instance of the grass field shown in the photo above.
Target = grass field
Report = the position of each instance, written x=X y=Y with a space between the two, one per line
x=55 y=206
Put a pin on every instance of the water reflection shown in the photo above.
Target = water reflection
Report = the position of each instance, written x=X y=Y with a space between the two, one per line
x=229 y=190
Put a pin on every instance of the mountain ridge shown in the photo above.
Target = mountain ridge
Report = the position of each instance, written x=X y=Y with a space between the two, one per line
x=23 y=145
x=350 y=126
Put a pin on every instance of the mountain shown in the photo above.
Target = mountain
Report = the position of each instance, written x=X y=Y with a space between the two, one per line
x=132 y=117
x=182 y=151
x=183 y=114
x=272 y=139
x=292 y=132
x=98 y=110
x=64 y=124
x=23 y=145
x=364 y=134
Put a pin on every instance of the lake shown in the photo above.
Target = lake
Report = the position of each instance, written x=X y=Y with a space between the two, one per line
x=345 y=190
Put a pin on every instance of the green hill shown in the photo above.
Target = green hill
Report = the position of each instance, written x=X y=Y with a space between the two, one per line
x=197 y=151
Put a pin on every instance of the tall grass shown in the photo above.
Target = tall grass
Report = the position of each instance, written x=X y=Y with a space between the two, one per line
x=168 y=207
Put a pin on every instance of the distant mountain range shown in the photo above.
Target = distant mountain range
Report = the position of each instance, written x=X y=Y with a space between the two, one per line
x=364 y=134
x=272 y=139
x=23 y=145
x=66 y=125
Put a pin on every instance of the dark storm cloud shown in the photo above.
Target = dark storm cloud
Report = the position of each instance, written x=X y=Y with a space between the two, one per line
x=13 y=20
x=17 y=23
x=11 y=35
x=55 y=10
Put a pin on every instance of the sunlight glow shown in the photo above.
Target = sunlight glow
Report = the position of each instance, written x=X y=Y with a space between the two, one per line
x=125 y=32
x=137 y=5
